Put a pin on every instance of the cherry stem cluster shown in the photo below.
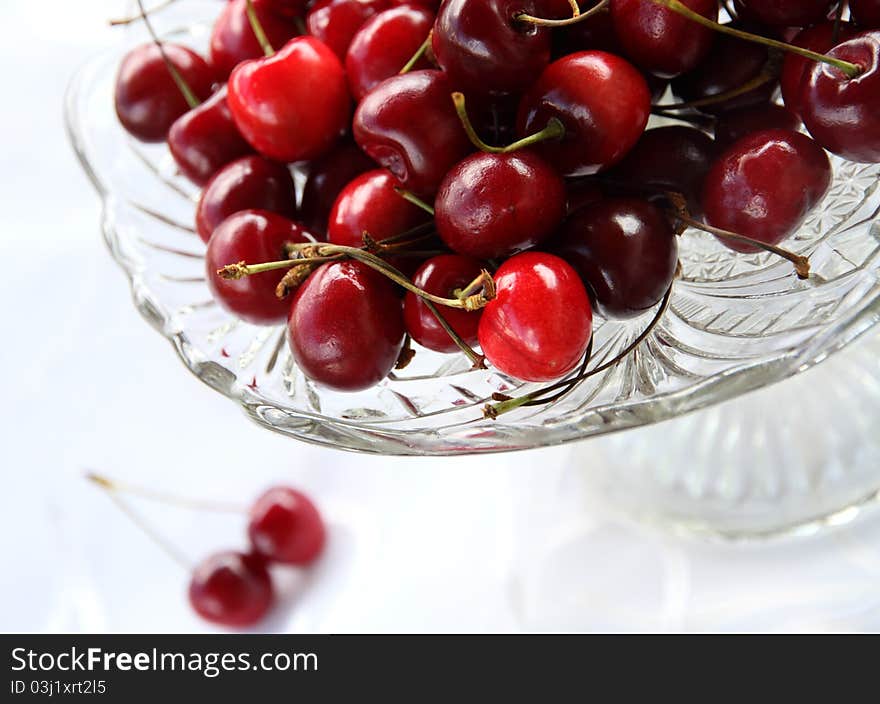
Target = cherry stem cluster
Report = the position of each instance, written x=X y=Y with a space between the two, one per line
x=554 y=130
x=178 y=79
x=577 y=15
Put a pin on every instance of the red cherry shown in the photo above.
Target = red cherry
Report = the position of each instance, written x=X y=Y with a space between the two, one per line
x=596 y=33
x=286 y=527
x=784 y=13
x=285 y=8
x=255 y=237
x=487 y=205
x=441 y=276
x=662 y=41
x=538 y=326
x=249 y=182
x=625 y=251
x=408 y=124
x=841 y=113
x=148 y=101
x=370 y=204
x=589 y=92
x=346 y=326
x=205 y=139
x=231 y=589
x=294 y=104
x=580 y=193
x=865 y=13
x=736 y=124
x=764 y=186
x=335 y=22
x=233 y=39
x=384 y=44
x=328 y=175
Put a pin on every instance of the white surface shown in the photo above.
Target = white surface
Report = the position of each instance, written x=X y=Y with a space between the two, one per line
x=466 y=544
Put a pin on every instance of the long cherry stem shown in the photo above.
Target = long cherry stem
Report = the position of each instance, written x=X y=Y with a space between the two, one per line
x=761 y=79
x=114 y=485
x=576 y=17
x=477 y=360
x=554 y=130
x=259 y=32
x=420 y=52
x=179 y=80
x=141 y=15
x=414 y=199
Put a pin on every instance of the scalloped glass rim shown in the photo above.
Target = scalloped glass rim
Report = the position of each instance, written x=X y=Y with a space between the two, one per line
x=690 y=362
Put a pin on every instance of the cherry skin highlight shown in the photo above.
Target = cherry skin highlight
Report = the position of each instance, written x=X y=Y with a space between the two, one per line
x=539 y=325
x=346 y=326
x=249 y=182
x=335 y=22
x=286 y=527
x=231 y=589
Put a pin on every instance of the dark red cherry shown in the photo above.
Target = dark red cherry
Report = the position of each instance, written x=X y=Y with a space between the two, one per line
x=596 y=33
x=784 y=13
x=286 y=527
x=625 y=251
x=148 y=100
x=231 y=589
x=294 y=104
x=492 y=205
x=233 y=39
x=384 y=44
x=538 y=326
x=408 y=124
x=843 y=114
x=580 y=193
x=442 y=276
x=328 y=175
x=765 y=185
x=335 y=22
x=589 y=92
x=662 y=41
x=285 y=8
x=205 y=139
x=865 y=13
x=346 y=326
x=249 y=182
x=255 y=237
x=432 y=5
x=736 y=124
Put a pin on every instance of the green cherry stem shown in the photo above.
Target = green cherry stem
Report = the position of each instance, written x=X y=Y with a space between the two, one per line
x=259 y=32
x=179 y=80
x=554 y=130
x=141 y=14
x=420 y=52
x=414 y=199
x=761 y=79
x=578 y=16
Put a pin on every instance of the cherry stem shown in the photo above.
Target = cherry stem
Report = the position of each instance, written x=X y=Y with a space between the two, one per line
x=162 y=497
x=761 y=79
x=179 y=80
x=142 y=15
x=554 y=130
x=478 y=361
x=420 y=52
x=483 y=281
x=576 y=17
x=851 y=70
x=259 y=33
x=414 y=199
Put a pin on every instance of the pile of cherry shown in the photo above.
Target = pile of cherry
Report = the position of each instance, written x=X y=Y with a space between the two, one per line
x=490 y=160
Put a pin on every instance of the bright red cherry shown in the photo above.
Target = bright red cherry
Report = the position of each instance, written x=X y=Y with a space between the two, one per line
x=589 y=92
x=865 y=13
x=254 y=237
x=231 y=589
x=286 y=527
x=784 y=13
x=538 y=326
x=233 y=39
x=625 y=251
x=328 y=175
x=492 y=205
x=335 y=22
x=843 y=114
x=148 y=101
x=294 y=104
x=205 y=139
x=765 y=185
x=442 y=276
x=384 y=44
x=662 y=41
x=346 y=326
x=408 y=124
x=370 y=204
x=736 y=124
x=249 y=182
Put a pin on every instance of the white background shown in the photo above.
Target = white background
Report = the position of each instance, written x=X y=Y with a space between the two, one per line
x=415 y=545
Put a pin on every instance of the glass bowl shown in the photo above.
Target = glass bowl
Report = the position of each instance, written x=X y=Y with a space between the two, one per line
x=735 y=323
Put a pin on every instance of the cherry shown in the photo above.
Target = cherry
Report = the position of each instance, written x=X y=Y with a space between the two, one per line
x=408 y=124
x=596 y=33
x=335 y=22
x=383 y=46
x=285 y=8
x=487 y=205
x=624 y=250
x=346 y=326
x=249 y=182
x=659 y=40
x=255 y=237
x=588 y=91
x=286 y=527
x=784 y=13
x=148 y=100
x=292 y=105
x=328 y=175
x=580 y=193
x=205 y=139
x=764 y=186
x=736 y=124
x=841 y=113
x=442 y=276
x=370 y=204
x=865 y=13
x=233 y=39
x=539 y=325
x=231 y=589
